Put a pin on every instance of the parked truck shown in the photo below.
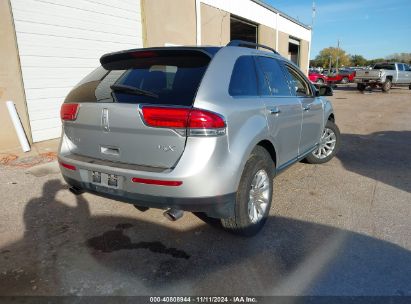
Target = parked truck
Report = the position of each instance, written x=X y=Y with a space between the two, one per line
x=384 y=75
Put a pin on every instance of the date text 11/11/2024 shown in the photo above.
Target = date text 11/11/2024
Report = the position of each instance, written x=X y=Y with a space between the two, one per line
x=203 y=299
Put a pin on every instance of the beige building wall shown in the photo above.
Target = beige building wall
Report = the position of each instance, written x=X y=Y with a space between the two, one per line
x=215 y=26
x=304 y=59
x=11 y=85
x=267 y=36
x=166 y=21
x=283 y=40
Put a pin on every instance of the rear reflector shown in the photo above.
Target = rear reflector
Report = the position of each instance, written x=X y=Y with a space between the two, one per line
x=156 y=182
x=69 y=111
x=67 y=166
x=181 y=118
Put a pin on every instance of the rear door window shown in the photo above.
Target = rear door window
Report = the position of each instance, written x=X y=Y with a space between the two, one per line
x=272 y=80
x=243 y=78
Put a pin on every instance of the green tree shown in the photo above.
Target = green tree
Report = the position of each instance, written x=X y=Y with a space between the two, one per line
x=400 y=57
x=374 y=61
x=323 y=58
x=358 y=60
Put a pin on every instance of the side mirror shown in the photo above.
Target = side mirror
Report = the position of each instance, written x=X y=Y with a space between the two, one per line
x=323 y=90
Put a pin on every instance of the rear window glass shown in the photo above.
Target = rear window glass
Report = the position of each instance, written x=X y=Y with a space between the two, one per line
x=170 y=77
x=243 y=79
x=384 y=66
x=164 y=80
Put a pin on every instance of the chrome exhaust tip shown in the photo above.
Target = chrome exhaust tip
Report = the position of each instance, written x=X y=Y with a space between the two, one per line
x=76 y=191
x=173 y=214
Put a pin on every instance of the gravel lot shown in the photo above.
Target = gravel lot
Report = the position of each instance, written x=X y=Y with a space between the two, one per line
x=343 y=228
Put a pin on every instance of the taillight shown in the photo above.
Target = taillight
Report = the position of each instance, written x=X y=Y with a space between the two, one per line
x=162 y=117
x=69 y=111
x=197 y=122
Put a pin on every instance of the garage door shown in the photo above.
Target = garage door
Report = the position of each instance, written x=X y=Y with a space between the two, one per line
x=60 y=42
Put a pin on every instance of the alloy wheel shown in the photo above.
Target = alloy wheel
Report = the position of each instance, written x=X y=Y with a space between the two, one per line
x=259 y=196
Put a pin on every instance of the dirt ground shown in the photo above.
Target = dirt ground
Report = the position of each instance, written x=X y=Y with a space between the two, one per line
x=342 y=228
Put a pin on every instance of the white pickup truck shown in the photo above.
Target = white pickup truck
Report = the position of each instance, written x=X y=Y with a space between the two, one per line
x=384 y=75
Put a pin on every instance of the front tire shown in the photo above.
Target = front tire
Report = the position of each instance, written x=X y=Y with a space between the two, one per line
x=329 y=145
x=254 y=195
x=361 y=87
x=320 y=81
x=345 y=80
x=386 y=85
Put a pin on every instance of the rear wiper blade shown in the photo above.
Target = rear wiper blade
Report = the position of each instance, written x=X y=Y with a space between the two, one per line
x=132 y=90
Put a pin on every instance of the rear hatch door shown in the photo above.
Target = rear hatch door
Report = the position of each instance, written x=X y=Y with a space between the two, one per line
x=109 y=123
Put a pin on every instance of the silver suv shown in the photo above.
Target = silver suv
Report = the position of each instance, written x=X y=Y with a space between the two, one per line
x=201 y=129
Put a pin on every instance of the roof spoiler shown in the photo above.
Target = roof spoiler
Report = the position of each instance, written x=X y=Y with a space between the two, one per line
x=122 y=60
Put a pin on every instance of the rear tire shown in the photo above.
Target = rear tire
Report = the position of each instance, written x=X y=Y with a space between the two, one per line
x=361 y=87
x=320 y=81
x=386 y=86
x=345 y=80
x=329 y=145
x=254 y=195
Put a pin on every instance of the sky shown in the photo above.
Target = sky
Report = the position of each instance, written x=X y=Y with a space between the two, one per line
x=371 y=28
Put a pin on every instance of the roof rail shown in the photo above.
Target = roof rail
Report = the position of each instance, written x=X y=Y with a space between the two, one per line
x=247 y=43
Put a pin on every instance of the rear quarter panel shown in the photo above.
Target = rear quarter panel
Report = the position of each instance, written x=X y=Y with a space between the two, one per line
x=245 y=116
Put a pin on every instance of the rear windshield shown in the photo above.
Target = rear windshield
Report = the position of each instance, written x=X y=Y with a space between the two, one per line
x=384 y=66
x=164 y=78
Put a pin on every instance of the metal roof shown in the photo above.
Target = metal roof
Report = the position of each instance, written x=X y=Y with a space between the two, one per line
x=269 y=7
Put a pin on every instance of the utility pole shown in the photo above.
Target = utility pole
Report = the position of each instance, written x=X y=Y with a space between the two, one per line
x=314 y=11
x=312 y=29
x=338 y=52
x=330 y=65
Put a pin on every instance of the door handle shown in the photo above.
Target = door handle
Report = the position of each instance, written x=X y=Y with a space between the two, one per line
x=275 y=111
x=307 y=108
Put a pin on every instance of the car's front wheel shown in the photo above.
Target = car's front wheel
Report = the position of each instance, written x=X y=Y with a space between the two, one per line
x=320 y=81
x=361 y=87
x=329 y=145
x=386 y=86
x=345 y=80
x=254 y=194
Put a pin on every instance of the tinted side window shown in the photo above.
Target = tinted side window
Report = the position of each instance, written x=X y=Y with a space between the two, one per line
x=400 y=67
x=271 y=77
x=299 y=86
x=384 y=66
x=243 y=79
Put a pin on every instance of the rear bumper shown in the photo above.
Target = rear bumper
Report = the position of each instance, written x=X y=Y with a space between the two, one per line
x=365 y=81
x=218 y=207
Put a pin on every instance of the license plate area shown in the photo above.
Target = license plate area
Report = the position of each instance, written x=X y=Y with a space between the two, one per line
x=105 y=179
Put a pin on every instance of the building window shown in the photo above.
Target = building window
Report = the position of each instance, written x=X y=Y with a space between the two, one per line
x=241 y=29
x=294 y=50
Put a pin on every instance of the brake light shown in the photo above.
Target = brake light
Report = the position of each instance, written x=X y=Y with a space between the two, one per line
x=196 y=121
x=162 y=117
x=156 y=182
x=67 y=166
x=200 y=119
x=143 y=54
x=69 y=111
